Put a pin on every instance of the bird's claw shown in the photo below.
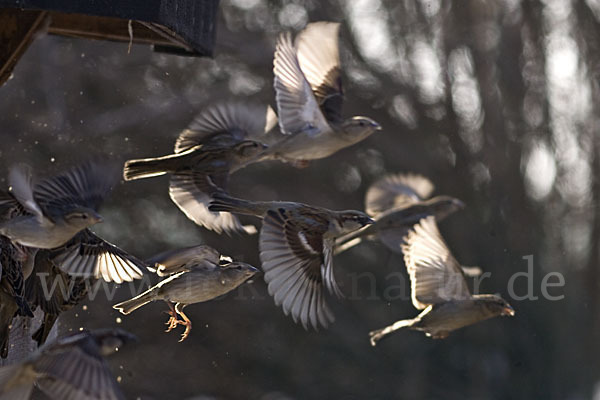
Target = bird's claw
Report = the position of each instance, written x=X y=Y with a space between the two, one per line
x=188 y=329
x=375 y=336
x=172 y=322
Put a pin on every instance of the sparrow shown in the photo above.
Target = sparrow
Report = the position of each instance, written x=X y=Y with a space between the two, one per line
x=296 y=250
x=439 y=288
x=54 y=291
x=195 y=278
x=72 y=367
x=221 y=140
x=56 y=214
x=309 y=96
x=12 y=293
x=397 y=202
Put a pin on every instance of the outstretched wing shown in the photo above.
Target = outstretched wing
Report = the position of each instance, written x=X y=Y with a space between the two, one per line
x=174 y=261
x=396 y=191
x=435 y=275
x=191 y=191
x=297 y=106
x=84 y=185
x=87 y=256
x=72 y=373
x=297 y=264
x=318 y=54
x=229 y=123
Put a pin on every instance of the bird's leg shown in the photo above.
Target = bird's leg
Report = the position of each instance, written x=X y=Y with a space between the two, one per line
x=173 y=321
x=186 y=321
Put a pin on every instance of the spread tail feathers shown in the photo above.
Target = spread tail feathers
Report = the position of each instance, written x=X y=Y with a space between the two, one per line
x=381 y=333
x=133 y=304
x=148 y=167
x=145 y=168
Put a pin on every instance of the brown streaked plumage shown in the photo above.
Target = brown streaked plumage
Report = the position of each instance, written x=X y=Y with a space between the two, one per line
x=439 y=288
x=296 y=242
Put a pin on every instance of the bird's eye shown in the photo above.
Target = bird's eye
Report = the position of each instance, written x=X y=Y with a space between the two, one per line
x=84 y=216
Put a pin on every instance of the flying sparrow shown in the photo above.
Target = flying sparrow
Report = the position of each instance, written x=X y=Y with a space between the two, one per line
x=296 y=245
x=397 y=202
x=72 y=367
x=309 y=96
x=198 y=278
x=56 y=213
x=221 y=140
x=439 y=288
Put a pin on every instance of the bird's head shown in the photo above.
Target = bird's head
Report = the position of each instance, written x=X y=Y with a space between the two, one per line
x=443 y=206
x=349 y=221
x=496 y=305
x=359 y=128
x=82 y=217
x=235 y=273
x=249 y=149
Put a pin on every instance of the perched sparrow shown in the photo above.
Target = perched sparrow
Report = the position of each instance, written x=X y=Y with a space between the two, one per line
x=54 y=291
x=439 y=288
x=72 y=367
x=309 y=96
x=397 y=202
x=221 y=140
x=198 y=279
x=296 y=243
x=55 y=214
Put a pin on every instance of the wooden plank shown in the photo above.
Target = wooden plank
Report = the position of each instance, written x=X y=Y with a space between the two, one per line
x=191 y=20
x=17 y=31
x=106 y=28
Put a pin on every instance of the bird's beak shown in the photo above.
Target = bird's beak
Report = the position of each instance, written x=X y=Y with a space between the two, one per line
x=369 y=221
x=377 y=126
x=508 y=311
x=98 y=218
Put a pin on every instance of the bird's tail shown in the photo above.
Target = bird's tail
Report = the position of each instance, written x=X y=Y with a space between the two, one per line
x=379 y=334
x=224 y=202
x=16 y=382
x=149 y=167
x=133 y=304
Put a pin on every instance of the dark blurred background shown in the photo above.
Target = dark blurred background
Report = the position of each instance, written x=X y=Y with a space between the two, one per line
x=496 y=102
